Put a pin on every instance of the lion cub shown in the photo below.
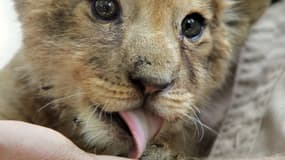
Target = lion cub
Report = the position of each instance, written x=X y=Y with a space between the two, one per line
x=120 y=76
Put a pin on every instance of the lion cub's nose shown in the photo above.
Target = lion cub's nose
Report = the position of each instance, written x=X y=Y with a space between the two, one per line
x=148 y=87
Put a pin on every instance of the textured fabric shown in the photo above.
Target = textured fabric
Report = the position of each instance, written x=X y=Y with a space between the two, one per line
x=261 y=65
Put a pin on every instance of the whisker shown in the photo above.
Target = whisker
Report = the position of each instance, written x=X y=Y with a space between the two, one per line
x=196 y=109
x=91 y=114
x=204 y=125
x=199 y=125
x=101 y=112
x=198 y=129
x=103 y=108
x=208 y=128
x=58 y=100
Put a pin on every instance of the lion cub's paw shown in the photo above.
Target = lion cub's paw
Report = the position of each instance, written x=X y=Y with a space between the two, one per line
x=161 y=152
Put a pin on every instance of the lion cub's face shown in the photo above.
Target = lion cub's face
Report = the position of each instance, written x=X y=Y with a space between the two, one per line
x=107 y=56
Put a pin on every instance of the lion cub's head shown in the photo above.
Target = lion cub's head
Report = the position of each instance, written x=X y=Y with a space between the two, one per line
x=127 y=68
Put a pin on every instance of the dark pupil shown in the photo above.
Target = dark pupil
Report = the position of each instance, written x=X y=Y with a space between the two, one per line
x=106 y=9
x=191 y=28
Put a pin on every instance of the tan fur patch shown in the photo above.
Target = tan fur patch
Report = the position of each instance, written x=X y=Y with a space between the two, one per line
x=77 y=66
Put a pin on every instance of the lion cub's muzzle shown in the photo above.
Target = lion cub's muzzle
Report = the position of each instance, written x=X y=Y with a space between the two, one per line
x=150 y=86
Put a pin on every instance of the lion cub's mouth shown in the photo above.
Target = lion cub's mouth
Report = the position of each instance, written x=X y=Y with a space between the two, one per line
x=142 y=125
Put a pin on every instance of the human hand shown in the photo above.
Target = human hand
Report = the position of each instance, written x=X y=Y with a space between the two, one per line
x=23 y=141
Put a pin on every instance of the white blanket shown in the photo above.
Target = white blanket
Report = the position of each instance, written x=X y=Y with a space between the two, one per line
x=255 y=123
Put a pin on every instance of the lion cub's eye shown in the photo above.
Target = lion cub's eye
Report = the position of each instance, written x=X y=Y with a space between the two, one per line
x=193 y=26
x=106 y=9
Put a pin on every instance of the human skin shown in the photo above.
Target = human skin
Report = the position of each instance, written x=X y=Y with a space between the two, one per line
x=22 y=141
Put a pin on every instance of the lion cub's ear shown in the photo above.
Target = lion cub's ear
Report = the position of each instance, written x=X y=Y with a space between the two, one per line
x=252 y=10
x=240 y=15
x=24 y=6
x=246 y=12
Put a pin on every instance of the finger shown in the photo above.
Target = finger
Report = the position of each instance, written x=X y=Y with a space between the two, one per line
x=21 y=141
x=110 y=158
x=96 y=157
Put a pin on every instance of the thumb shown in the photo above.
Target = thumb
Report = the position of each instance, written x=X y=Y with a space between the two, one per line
x=95 y=157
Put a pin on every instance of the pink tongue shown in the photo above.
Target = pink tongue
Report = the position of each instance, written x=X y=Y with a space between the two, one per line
x=143 y=126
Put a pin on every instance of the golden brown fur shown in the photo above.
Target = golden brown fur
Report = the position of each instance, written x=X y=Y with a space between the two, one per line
x=72 y=64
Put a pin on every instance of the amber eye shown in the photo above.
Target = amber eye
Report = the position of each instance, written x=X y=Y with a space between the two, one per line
x=106 y=9
x=193 y=26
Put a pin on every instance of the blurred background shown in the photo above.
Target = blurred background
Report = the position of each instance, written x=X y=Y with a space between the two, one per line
x=10 y=33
